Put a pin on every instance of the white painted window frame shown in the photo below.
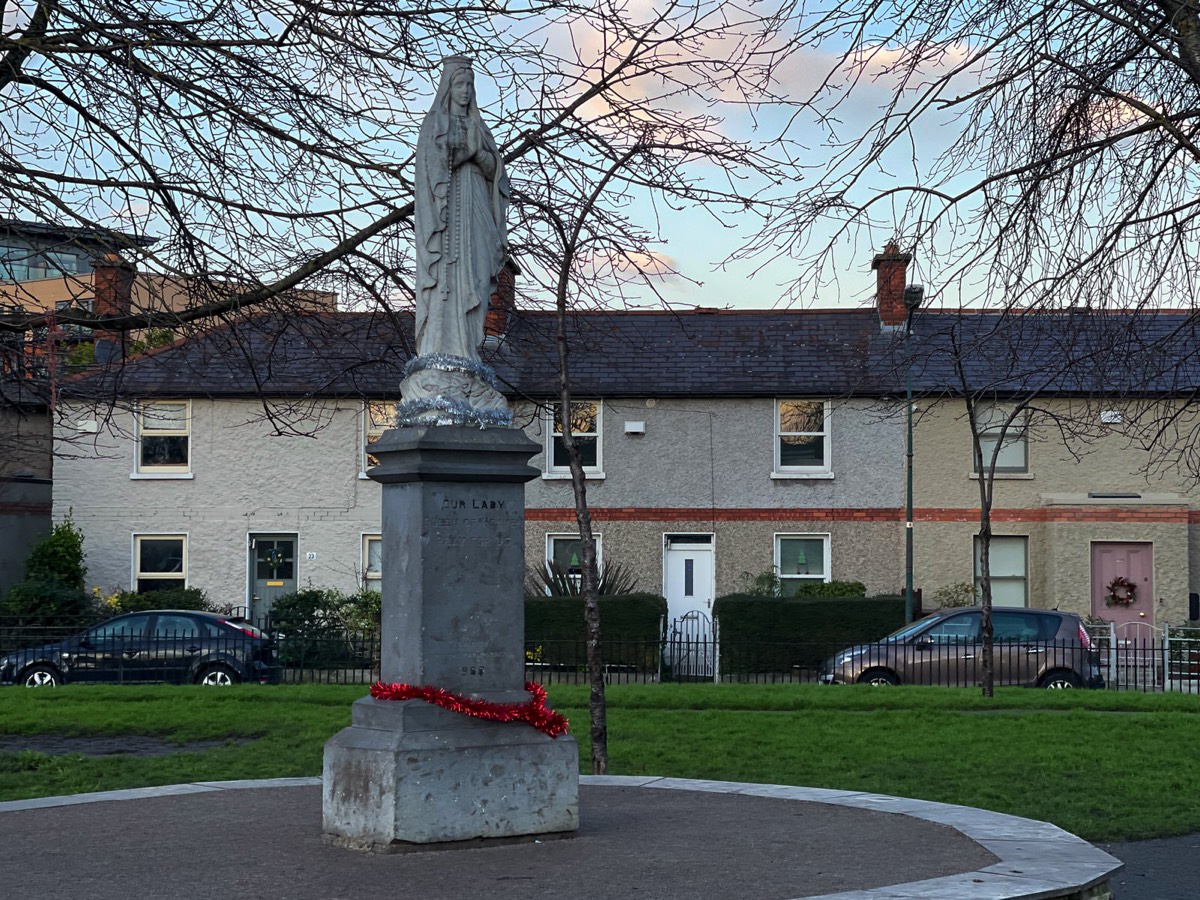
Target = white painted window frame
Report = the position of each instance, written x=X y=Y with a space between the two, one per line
x=1006 y=579
x=785 y=472
x=550 y=423
x=826 y=561
x=141 y=471
x=551 y=537
x=135 y=558
x=1017 y=433
x=370 y=431
x=371 y=580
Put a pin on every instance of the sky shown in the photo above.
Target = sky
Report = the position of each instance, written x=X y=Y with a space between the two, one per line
x=695 y=244
x=698 y=245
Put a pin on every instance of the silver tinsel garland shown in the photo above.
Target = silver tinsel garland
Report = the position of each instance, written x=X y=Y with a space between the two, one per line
x=445 y=362
x=449 y=410
x=416 y=412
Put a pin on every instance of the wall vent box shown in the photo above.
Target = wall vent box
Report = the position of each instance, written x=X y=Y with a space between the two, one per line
x=1110 y=417
x=635 y=427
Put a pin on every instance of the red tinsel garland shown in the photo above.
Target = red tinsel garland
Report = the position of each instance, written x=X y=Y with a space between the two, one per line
x=533 y=711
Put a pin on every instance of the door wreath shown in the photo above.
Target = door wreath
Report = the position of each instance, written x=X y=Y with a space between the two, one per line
x=1121 y=592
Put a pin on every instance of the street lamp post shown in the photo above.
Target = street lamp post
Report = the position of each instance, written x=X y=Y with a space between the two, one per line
x=913 y=294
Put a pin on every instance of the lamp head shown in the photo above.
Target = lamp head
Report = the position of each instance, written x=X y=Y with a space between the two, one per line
x=913 y=295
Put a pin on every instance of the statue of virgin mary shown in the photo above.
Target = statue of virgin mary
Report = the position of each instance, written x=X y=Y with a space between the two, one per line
x=461 y=194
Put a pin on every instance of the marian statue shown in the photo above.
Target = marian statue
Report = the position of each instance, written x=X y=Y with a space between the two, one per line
x=461 y=241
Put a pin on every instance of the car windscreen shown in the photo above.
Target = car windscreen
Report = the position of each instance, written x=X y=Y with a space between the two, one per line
x=901 y=633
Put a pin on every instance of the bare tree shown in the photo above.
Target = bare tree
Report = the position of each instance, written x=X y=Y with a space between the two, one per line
x=1039 y=154
x=267 y=153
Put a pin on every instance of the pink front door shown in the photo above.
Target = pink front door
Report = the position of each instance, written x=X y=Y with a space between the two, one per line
x=1134 y=562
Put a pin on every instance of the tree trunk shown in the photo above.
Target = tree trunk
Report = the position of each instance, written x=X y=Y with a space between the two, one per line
x=589 y=574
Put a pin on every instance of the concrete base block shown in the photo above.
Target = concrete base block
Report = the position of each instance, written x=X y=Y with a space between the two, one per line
x=385 y=788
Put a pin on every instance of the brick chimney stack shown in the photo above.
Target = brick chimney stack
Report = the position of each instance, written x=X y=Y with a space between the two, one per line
x=502 y=303
x=112 y=292
x=891 y=276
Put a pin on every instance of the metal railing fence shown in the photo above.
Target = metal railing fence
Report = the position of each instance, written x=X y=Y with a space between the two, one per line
x=1133 y=657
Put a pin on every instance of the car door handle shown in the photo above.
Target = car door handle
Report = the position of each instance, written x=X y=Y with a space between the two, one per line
x=967 y=656
x=131 y=653
x=1032 y=650
x=193 y=649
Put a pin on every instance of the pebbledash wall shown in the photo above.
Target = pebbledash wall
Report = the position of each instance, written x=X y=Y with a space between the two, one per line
x=1061 y=505
x=706 y=467
x=700 y=467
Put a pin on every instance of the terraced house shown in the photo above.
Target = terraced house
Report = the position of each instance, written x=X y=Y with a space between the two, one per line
x=719 y=445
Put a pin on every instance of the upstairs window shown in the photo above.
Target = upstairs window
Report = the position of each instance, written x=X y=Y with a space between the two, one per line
x=378 y=417
x=1013 y=456
x=802 y=437
x=585 y=429
x=164 y=437
x=25 y=264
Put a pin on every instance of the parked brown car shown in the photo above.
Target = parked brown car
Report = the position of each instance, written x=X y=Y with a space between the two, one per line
x=1031 y=648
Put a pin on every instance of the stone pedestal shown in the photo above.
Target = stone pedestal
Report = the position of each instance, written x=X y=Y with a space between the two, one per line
x=410 y=774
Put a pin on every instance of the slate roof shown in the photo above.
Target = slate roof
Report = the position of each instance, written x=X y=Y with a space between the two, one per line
x=695 y=353
x=1067 y=353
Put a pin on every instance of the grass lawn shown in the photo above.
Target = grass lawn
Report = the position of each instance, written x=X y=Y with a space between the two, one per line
x=1105 y=765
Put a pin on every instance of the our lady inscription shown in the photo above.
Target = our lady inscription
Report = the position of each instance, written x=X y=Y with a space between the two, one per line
x=471 y=645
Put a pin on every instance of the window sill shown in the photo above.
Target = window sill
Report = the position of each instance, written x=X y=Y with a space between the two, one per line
x=1005 y=476
x=802 y=476
x=161 y=476
x=566 y=476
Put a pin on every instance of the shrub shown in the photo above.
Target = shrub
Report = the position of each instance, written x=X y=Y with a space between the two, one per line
x=554 y=580
x=764 y=584
x=630 y=627
x=825 y=589
x=34 y=602
x=322 y=626
x=775 y=634
x=58 y=557
x=168 y=598
x=52 y=592
x=954 y=595
x=769 y=584
x=362 y=610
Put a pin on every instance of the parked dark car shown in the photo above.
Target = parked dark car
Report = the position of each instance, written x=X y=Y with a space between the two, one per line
x=180 y=646
x=1031 y=648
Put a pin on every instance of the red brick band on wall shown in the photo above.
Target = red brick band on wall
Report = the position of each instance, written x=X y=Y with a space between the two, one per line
x=1172 y=515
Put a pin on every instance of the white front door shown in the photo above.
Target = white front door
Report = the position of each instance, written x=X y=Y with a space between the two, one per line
x=688 y=581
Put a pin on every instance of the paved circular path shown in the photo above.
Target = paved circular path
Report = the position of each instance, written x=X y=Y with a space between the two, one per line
x=639 y=837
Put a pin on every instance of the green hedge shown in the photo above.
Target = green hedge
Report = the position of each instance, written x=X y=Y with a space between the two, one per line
x=630 y=629
x=775 y=634
x=166 y=598
x=324 y=628
x=825 y=589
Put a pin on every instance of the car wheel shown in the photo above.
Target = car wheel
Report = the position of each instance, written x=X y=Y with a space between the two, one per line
x=878 y=677
x=1057 y=681
x=217 y=676
x=41 y=676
